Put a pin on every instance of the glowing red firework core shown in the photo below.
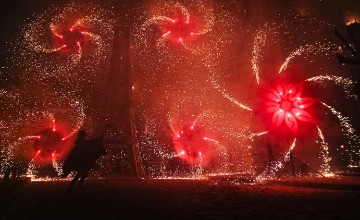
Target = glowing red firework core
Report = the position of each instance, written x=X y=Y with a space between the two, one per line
x=286 y=105
x=70 y=39
x=178 y=30
x=48 y=143
x=191 y=145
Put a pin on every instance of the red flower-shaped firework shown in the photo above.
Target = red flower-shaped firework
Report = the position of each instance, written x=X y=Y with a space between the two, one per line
x=286 y=105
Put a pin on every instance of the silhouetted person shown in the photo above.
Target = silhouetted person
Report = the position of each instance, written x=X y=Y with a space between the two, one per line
x=82 y=158
x=74 y=160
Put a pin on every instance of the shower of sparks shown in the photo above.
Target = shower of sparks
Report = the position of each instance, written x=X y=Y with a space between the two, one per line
x=57 y=166
x=253 y=135
x=61 y=59
x=269 y=35
x=193 y=144
x=10 y=153
x=338 y=80
x=194 y=85
x=259 y=44
x=65 y=43
x=175 y=23
x=324 y=154
x=31 y=171
x=291 y=148
x=349 y=132
x=190 y=66
x=318 y=48
x=25 y=127
x=227 y=96
x=278 y=165
x=176 y=70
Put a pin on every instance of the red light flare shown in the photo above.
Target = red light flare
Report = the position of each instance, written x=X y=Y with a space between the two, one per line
x=192 y=146
x=59 y=36
x=286 y=106
x=182 y=153
x=179 y=30
x=70 y=40
x=49 y=144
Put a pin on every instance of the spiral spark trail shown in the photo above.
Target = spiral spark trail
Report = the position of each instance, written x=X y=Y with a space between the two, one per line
x=324 y=153
x=49 y=116
x=64 y=43
x=349 y=132
x=177 y=23
x=196 y=86
x=306 y=49
x=60 y=59
x=261 y=37
x=269 y=36
x=338 y=80
x=176 y=69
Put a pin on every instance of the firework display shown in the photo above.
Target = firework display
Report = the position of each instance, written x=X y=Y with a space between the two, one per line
x=178 y=73
x=216 y=65
x=286 y=105
x=208 y=88
x=61 y=57
x=43 y=129
x=65 y=41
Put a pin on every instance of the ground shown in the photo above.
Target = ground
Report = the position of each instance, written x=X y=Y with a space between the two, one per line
x=299 y=198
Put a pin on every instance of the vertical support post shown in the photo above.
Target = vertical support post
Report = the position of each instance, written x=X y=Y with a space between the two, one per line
x=120 y=90
x=271 y=158
x=292 y=164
